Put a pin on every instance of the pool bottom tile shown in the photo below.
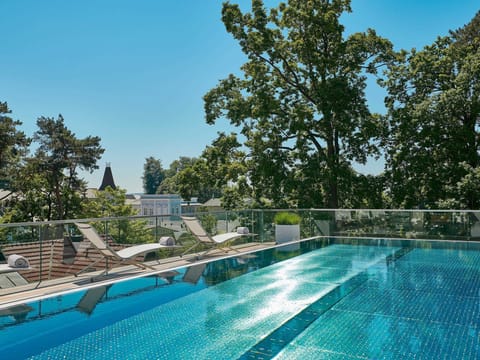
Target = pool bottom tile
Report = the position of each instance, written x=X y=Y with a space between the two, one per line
x=368 y=336
x=418 y=305
x=295 y=352
x=362 y=319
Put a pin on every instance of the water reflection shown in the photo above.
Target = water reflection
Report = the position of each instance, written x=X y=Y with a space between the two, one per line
x=18 y=312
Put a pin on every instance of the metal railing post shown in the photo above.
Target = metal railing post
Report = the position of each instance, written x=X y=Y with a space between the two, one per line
x=41 y=252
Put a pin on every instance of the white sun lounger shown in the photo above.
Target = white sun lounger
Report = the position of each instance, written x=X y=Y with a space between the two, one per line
x=124 y=256
x=215 y=242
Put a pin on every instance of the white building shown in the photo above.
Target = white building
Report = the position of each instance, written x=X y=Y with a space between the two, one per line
x=157 y=204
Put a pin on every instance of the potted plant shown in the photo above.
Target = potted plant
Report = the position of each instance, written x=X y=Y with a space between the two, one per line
x=287 y=228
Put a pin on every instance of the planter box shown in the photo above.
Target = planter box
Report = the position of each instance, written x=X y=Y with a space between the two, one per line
x=287 y=233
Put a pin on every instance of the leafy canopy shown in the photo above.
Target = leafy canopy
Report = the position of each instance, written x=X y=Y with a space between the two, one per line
x=434 y=116
x=153 y=175
x=300 y=104
x=13 y=147
x=49 y=185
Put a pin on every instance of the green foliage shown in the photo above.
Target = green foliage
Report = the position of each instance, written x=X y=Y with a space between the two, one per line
x=233 y=198
x=300 y=104
x=30 y=201
x=434 y=112
x=223 y=171
x=58 y=158
x=112 y=203
x=463 y=194
x=131 y=232
x=223 y=160
x=183 y=178
x=168 y=186
x=206 y=177
x=287 y=218
x=13 y=147
x=47 y=185
x=188 y=182
x=107 y=203
x=182 y=163
x=153 y=175
x=209 y=223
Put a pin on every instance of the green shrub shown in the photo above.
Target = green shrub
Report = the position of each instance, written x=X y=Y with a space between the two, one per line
x=287 y=218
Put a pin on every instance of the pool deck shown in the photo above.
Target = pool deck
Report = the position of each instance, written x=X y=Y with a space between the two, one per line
x=163 y=267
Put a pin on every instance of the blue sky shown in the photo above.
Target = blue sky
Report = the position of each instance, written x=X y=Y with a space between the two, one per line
x=134 y=72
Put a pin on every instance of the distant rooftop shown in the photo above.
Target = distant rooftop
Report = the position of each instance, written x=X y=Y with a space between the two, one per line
x=107 y=179
x=213 y=202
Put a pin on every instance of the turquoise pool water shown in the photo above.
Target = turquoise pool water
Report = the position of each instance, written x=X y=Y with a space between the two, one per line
x=341 y=301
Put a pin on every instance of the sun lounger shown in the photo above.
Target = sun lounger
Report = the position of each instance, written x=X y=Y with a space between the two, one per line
x=124 y=256
x=214 y=242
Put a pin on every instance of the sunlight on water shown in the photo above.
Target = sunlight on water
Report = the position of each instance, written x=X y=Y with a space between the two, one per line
x=336 y=302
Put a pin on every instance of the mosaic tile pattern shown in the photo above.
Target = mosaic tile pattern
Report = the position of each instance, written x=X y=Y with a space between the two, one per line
x=271 y=345
x=223 y=321
x=426 y=305
x=421 y=277
x=448 y=257
x=366 y=336
x=418 y=305
x=338 y=302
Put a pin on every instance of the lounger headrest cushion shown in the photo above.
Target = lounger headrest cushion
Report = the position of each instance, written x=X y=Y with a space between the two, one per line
x=18 y=261
x=242 y=230
x=167 y=241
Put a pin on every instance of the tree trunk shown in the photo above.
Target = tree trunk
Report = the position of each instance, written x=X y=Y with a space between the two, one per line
x=332 y=161
x=58 y=199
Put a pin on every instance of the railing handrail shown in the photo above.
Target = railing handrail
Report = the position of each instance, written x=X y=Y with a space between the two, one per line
x=139 y=217
x=70 y=221
x=390 y=210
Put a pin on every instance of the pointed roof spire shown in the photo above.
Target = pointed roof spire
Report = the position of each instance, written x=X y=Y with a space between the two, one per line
x=107 y=179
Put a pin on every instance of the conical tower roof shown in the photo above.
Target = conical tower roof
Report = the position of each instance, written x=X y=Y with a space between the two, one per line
x=107 y=179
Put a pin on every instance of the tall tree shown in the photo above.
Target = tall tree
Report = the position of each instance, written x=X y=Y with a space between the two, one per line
x=195 y=181
x=170 y=184
x=221 y=165
x=188 y=183
x=57 y=160
x=300 y=103
x=178 y=165
x=224 y=171
x=434 y=114
x=13 y=147
x=153 y=175
x=31 y=200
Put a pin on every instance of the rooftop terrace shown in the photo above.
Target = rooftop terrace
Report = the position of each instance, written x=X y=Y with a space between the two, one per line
x=57 y=252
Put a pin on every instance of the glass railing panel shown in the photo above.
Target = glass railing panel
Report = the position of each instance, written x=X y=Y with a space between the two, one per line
x=57 y=249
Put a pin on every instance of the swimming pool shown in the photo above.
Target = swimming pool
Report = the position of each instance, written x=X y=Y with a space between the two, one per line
x=352 y=299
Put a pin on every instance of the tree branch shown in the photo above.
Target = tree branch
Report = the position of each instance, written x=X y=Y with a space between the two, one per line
x=295 y=83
